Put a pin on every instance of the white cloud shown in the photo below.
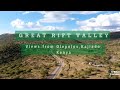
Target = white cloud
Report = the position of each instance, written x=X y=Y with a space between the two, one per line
x=30 y=24
x=65 y=12
x=20 y=24
x=52 y=28
x=89 y=12
x=58 y=16
x=54 y=17
x=72 y=19
x=17 y=23
x=61 y=16
x=101 y=22
x=27 y=12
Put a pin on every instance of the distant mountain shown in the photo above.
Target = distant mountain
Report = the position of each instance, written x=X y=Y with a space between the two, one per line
x=6 y=38
x=115 y=35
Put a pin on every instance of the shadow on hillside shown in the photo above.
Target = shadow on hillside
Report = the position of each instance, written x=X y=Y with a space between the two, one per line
x=10 y=53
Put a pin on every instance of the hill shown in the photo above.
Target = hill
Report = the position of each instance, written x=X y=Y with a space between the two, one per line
x=15 y=66
x=115 y=35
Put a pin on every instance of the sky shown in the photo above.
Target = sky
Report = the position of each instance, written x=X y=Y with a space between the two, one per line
x=11 y=21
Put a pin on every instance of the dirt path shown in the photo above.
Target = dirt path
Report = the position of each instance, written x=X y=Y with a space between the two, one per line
x=58 y=69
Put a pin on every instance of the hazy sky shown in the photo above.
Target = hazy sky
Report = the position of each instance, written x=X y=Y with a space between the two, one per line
x=59 y=20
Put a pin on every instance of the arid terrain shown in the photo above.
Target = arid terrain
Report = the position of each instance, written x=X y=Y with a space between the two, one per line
x=15 y=66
